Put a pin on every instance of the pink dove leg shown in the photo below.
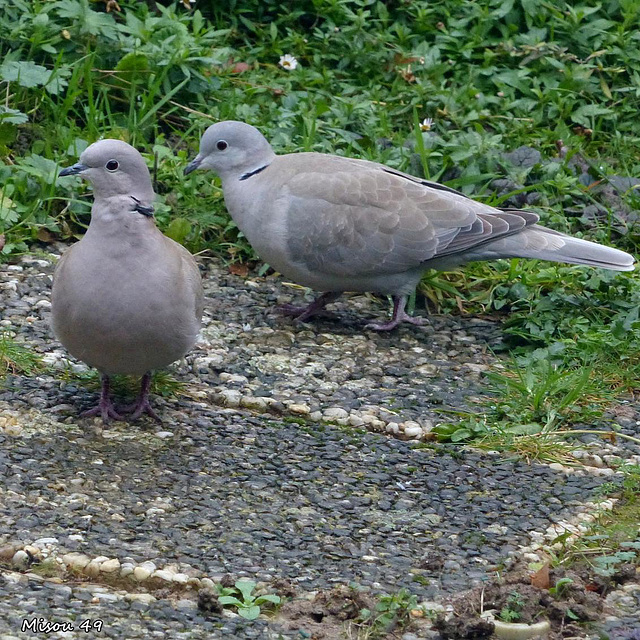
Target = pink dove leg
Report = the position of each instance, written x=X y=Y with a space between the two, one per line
x=302 y=314
x=399 y=316
x=105 y=407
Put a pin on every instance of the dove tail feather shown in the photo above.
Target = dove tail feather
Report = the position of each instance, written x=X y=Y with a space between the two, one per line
x=541 y=243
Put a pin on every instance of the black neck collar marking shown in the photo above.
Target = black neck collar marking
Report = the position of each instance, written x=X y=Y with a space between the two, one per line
x=245 y=176
x=144 y=210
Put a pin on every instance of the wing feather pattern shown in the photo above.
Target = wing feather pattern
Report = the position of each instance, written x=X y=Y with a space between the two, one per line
x=360 y=218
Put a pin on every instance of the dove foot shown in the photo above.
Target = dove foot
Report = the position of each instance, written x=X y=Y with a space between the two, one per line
x=141 y=407
x=105 y=408
x=399 y=316
x=291 y=310
x=142 y=404
x=302 y=314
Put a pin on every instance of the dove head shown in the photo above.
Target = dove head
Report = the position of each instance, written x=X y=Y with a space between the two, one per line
x=114 y=168
x=232 y=149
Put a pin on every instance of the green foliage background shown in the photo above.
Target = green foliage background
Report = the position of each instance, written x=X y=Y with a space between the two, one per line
x=494 y=75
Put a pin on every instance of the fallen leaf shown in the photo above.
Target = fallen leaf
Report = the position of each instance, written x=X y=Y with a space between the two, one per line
x=400 y=59
x=540 y=578
x=407 y=74
x=582 y=131
x=44 y=235
x=236 y=67
x=239 y=269
x=605 y=88
x=240 y=67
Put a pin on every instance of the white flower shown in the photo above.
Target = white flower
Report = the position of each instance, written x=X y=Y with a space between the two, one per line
x=288 y=62
x=426 y=124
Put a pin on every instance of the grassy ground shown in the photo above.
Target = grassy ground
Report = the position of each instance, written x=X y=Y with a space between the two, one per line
x=533 y=104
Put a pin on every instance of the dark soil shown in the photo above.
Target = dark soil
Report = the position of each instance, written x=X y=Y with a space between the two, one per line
x=325 y=616
x=578 y=602
x=334 y=613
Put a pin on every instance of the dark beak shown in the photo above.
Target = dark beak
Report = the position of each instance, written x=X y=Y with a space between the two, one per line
x=74 y=170
x=145 y=210
x=193 y=165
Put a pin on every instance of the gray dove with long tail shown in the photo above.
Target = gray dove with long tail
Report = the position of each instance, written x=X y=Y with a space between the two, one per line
x=338 y=224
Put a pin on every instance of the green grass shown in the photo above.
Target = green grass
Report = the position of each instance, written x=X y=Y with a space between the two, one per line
x=613 y=541
x=163 y=383
x=494 y=75
x=17 y=358
x=392 y=613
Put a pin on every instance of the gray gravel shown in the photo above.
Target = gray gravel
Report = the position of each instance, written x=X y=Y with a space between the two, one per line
x=294 y=488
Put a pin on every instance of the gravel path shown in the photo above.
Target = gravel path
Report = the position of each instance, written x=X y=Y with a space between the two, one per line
x=268 y=467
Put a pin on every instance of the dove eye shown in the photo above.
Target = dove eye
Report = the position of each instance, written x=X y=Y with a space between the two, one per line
x=112 y=165
x=222 y=145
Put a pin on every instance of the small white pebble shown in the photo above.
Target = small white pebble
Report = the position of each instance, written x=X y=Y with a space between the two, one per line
x=231 y=377
x=180 y=578
x=428 y=370
x=253 y=403
x=335 y=413
x=604 y=471
x=77 y=561
x=412 y=429
x=109 y=566
x=230 y=397
x=476 y=368
x=20 y=559
x=43 y=542
x=300 y=409
x=93 y=568
x=107 y=597
x=208 y=583
x=13 y=430
x=141 y=573
x=145 y=598
x=162 y=574
x=32 y=550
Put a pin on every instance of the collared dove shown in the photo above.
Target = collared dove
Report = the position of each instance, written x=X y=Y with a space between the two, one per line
x=338 y=224
x=126 y=299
